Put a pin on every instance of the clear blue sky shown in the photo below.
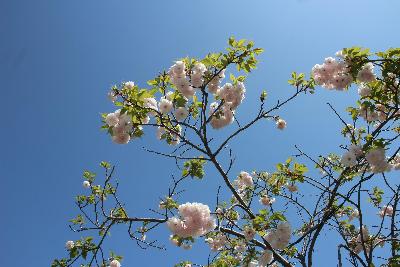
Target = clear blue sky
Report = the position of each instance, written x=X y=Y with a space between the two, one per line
x=59 y=57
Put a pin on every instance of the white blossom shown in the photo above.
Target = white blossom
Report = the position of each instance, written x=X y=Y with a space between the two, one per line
x=364 y=90
x=366 y=74
x=292 y=188
x=181 y=113
x=386 y=211
x=115 y=263
x=265 y=258
x=249 y=233
x=266 y=200
x=354 y=214
x=112 y=119
x=165 y=105
x=279 y=238
x=69 y=245
x=86 y=184
x=129 y=85
x=195 y=220
x=281 y=124
x=111 y=96
x=122 y=138
x=349 y=159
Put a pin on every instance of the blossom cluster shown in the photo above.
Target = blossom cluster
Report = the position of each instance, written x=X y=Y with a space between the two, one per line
x=195 y=220
x=396 y=162
x=263 y=261
x=265 y=258
x=334 y=73
x=292 y=187
x=69 y=245
x=86 y=184
x=243 y=181
x=266 y=200
x=260 y=263
x=231 y=96
x=177 y=241
x=377 y=160
x=349 y=159
x=214 y=84
x=386 y=211
x=249 y=233
x=240 y=247
x=112 y=96
x=218 y=242
x=280 y=124
x=375 y=157
x=366 y=74
x=379 y=113
x=279 y=238
x=115 y=263
x=122 y=127
x=354 y=214
x=184 y=83
x=172 y=136
x=357 y=241
x=361 y=241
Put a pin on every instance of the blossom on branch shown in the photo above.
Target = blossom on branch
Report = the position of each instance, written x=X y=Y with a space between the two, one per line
x=195 y=220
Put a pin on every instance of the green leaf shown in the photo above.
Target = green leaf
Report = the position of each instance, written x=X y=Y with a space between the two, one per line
x=78 y=220
x=231 y=41
x=258 y=50
x=194 y=168
x=277 y=216
x=263 y=96
x=105 y=164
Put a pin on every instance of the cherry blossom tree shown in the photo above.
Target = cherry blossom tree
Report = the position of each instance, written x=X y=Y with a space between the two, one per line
x=194 y=101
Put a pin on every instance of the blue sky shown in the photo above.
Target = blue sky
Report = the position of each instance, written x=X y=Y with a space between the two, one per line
x=58 y=59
